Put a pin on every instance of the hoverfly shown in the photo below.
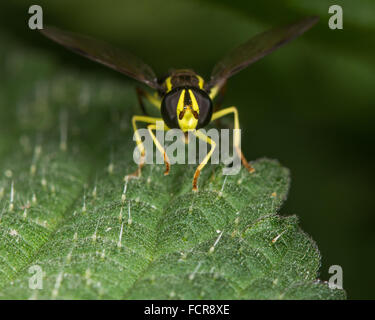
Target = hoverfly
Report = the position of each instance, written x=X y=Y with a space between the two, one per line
x=183 y=98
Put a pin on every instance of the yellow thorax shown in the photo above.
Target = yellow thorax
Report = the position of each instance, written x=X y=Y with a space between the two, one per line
x=169 y=86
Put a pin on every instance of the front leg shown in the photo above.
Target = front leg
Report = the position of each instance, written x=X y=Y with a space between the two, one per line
x=224 y=112
x=205 y=138
x=151 y=127
x=138 y=140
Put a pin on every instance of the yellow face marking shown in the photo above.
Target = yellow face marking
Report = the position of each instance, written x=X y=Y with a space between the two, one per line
x=186 y=119
x=194 y=101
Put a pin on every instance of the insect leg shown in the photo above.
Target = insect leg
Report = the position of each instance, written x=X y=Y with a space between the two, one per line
x=160 y=148
x=138 y=140
x=153 y=99
x=219 y=101
x=214 y=91
x=224 y=112
x=205 y=138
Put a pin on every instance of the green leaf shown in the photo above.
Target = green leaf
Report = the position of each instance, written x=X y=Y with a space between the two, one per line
x=65 y=147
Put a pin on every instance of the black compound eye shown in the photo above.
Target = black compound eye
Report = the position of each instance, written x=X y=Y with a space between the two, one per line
x=169 y=108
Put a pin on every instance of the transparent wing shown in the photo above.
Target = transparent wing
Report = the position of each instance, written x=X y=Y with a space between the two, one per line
x=255 y=49
x=103 y=53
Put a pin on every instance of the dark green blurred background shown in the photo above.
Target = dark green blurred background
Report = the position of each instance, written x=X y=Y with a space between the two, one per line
x=309 y=104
